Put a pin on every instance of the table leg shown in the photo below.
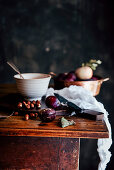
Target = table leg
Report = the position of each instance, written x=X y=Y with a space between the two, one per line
x=39 y=153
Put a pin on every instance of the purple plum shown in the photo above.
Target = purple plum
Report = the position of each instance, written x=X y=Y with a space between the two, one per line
x=47 y=115
x=70 y=76
x=94 y=78
x=52 y=102
x=61 y=76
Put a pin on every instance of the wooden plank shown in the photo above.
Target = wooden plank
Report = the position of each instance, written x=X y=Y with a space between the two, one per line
x=17 y=126
x=39 y=153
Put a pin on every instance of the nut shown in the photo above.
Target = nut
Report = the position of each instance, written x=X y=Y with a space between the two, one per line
x=27 y=106
x=34 y=102
x=38 y=106
x=19 y=105
x=28 y=102
x=26 y=117
x=37 y=102
x=15 y=113
x=32 y=115
x=32 y=105
x=24 y=104
x=36 y=114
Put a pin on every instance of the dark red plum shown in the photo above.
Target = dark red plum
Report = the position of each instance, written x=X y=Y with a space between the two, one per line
x=70 y=76
x=52 y=102
x=47 y=115
x=95 y=78
x=61 y=76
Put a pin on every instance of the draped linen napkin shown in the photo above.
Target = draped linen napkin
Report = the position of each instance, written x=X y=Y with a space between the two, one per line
x=84 y=99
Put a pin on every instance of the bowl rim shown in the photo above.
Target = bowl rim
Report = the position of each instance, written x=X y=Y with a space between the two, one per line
x=45 y=76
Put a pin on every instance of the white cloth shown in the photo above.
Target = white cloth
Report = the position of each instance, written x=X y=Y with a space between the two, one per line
x=84 y=99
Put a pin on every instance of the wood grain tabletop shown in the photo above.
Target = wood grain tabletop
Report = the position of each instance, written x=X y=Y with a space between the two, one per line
x=17 y=126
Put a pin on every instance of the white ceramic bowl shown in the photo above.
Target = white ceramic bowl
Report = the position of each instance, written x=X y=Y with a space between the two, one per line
x=33 y=86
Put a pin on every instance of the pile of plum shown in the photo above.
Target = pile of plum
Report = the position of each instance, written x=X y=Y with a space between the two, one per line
x=71 y=76
x=83 y=73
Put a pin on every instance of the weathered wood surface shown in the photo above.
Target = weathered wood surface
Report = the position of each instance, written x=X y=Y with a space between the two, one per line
x=17 y=126
x=38 y=153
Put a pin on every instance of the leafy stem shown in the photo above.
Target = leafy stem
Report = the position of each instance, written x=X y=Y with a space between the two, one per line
x=93 y=64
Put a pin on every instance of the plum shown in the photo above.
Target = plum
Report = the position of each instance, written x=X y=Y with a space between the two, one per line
x=52 y=102
x=66 y=76
x=61 y=76
x=70 y=76
x=94 y=78
x=47 y=115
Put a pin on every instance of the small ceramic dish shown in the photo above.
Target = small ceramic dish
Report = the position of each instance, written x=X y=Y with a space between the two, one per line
x=33 y=86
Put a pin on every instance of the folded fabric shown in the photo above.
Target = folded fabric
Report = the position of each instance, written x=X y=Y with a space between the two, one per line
x=84 y=99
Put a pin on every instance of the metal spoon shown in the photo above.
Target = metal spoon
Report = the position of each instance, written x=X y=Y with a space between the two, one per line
x=15 y=68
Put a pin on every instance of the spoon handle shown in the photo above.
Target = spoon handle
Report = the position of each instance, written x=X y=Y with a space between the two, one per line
x=106 y=79
x=6 y=116
x=15 y=68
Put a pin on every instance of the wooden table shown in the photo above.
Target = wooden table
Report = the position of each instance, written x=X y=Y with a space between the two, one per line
x=42 y=146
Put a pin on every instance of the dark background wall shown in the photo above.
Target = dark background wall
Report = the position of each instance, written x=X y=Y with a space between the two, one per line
x=58 y=35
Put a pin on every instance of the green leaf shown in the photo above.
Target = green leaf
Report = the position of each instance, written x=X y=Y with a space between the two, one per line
x=65 y=122
x=93 y=64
